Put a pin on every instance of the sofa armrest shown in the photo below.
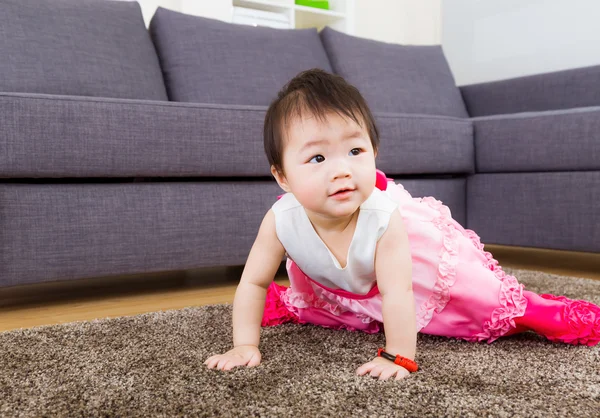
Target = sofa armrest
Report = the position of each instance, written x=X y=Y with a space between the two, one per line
x=549 y=91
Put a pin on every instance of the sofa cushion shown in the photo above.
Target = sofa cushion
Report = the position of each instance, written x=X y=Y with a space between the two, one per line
x=66 y=136
x=70 y=231
x=395 y=78
x=424 y=144
x=209 y=61
x=558 y=140
x=77 y=47
x=543 y=210
x=565 y=89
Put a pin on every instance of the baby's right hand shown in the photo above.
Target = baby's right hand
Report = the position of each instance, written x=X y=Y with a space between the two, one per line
x=242 y=355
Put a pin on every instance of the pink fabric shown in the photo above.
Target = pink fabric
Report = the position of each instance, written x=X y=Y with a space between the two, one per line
x=276 y=312
x=316 y=304
x=460 y=290
x=381 y=180
x=562 y=319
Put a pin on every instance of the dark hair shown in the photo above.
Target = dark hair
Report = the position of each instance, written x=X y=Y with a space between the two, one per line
x=317 y=92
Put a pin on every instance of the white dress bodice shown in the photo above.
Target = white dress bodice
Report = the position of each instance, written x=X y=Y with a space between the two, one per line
x=304 y=246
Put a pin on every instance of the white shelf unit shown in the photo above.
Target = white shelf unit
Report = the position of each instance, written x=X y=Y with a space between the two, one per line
x=339 y=16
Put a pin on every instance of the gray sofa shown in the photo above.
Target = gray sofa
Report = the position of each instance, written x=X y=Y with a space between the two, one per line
x=126 y=150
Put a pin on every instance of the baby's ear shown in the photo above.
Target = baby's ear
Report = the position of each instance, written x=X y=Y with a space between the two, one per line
x=280 y=178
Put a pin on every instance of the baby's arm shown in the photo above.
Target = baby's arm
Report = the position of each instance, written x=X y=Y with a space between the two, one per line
x=393 y=268
x=263 y=261
x=262 y=264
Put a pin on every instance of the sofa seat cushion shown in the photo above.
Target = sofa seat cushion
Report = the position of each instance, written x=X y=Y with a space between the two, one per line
x=557 y=140
x=424 y=144
x=70 y=231
x=209 y=61
x=45 y=136
x=395 y=78
x=556 y=210
x=75 y=47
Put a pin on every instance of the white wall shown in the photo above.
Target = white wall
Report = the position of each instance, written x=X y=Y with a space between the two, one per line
x=415 y=22
x=215 y=9
x=150 y=6
x=487 y=40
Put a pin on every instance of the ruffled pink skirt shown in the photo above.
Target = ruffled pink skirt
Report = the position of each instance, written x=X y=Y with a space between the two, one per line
x=459 y=289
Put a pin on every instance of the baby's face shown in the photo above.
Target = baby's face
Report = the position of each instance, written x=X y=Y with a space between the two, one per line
x=320 y=158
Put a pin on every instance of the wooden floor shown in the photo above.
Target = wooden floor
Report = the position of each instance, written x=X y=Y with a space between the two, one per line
x=86 y=299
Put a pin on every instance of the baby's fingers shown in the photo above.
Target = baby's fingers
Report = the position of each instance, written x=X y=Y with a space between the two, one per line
x=365 y=368
x=254 y=360
x=387 y=373
x=225 y=360
x=229 y=365
x=211 y=362
x=219 y=361
x=402 y=373
x=362 y=370
x=376 y=372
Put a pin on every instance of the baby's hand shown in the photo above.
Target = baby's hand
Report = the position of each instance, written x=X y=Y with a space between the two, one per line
x=382 y=368
x=242 y=355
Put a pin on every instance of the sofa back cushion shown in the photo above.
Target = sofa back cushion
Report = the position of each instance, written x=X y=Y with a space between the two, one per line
x=395 y=78
x=209 y=61
x=78 y=47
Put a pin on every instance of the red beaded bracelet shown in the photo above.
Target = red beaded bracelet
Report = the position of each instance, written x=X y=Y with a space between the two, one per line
x=407 y=363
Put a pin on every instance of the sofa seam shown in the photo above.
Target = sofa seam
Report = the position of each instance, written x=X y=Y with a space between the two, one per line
x=541 y=114
x=181 y=105
x=138 y=102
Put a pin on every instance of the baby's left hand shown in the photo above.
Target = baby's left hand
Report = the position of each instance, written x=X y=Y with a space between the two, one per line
x=382 y=368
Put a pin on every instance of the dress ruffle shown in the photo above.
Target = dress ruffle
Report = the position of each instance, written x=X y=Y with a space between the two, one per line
x=299 y=300
x=446 y=275
x=512 y=301
x=276 y=312
x=348 y=311
x=284 y=305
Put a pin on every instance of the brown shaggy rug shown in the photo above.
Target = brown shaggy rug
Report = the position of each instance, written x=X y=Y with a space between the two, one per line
x=151 y=365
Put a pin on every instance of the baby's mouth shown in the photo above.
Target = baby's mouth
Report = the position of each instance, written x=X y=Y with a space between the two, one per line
x=342 y=192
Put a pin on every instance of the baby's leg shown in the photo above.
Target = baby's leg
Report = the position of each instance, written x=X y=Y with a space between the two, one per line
x=561 y=319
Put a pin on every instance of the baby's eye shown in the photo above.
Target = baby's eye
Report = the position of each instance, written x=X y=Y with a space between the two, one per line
x=356 y=151
x=317 y=159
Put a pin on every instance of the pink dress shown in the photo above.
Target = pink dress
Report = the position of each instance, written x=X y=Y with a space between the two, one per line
x=460 y=290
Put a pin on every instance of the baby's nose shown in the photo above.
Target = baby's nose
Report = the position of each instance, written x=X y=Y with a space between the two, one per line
x=341 y=171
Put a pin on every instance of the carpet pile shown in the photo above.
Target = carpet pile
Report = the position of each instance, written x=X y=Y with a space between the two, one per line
x=151 y=365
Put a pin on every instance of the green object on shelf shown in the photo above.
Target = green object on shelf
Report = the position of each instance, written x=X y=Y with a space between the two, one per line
x=319 y=4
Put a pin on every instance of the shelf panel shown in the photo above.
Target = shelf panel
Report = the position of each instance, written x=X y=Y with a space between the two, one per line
x=323 y=12
x=268 y=5
x=312 y=20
